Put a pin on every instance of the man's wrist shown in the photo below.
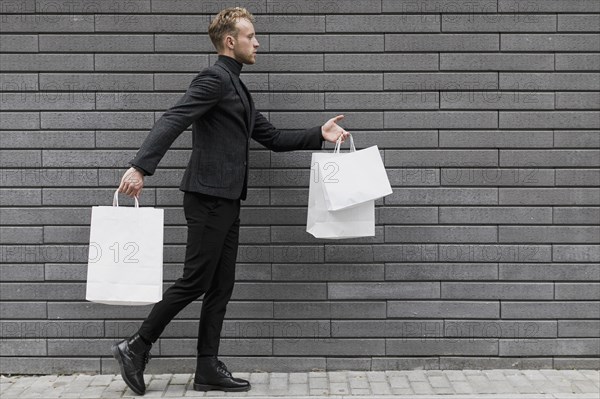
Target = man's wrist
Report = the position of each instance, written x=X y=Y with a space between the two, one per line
x=142 y=171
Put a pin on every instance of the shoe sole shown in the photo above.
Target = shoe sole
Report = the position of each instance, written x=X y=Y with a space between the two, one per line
x=117 y=355
x=204 y=387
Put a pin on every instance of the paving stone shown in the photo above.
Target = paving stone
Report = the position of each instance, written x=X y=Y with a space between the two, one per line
x=175 y=390
x=573 y=374
x=117 y=385
x=501 y=386
x=377 y=376
x=259 y=389
x=399 y=382
x=455 y=375
x=591 y=374
x=462 y=387
x=101 y=380
x=380 y=388
x=183 y=379
x=358 y=381
x=337 y=376
x=402 y=391
x=416 y=376
x=421 y=387
x=278 y=383
x=585 y=386
x=111 y=394
x=298 y=378
x=439 y=381
x=318 y=383
x=495 y=375
x=298 y=389
x=92 y=392
x=521 y=384
x=443 y=390
x=480 y=383
x=534 y=375
x=338 y=388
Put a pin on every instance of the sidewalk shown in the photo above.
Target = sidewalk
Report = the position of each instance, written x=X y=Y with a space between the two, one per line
x=422 y=384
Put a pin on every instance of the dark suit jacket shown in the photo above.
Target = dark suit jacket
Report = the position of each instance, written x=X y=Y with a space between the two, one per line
x=223 y=122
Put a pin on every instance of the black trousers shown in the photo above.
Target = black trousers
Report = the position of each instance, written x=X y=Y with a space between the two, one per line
x=212 y=243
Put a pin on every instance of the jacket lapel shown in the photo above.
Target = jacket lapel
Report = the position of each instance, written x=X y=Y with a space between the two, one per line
x=250 y=114
x=240 y=91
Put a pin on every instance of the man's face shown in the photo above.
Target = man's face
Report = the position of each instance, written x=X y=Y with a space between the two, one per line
x=246 y=45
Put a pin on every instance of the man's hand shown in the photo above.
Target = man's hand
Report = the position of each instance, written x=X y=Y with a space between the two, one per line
x=331 y=131
x=132 y=183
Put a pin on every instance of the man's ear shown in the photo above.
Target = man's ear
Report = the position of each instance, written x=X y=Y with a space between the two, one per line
x=229 y=40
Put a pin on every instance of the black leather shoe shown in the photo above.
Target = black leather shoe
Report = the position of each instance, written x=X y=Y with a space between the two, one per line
x=133 y=355
x=211 y=374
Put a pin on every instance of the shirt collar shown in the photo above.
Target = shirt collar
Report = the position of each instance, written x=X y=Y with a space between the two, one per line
x=232 y=64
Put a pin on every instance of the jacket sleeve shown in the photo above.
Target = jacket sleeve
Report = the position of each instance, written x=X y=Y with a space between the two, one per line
x=276 y=140
x=202 y=94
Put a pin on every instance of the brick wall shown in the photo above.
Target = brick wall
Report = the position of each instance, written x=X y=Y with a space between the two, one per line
x=486 y=113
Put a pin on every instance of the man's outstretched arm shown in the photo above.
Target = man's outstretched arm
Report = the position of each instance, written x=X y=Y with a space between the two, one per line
x=305 y=139
x=204 y=92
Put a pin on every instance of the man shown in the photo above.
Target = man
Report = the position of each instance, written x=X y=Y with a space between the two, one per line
x=224 y=120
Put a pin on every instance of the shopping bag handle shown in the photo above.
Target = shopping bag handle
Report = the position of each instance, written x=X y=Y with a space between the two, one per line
x=116 y=200
x=338 y=144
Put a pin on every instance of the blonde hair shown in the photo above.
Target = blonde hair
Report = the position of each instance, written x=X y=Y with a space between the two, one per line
x=224 y=24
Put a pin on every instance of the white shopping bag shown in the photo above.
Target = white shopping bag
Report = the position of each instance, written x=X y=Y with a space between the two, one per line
x=352 y=178
x=125 y=260
x=358 y=221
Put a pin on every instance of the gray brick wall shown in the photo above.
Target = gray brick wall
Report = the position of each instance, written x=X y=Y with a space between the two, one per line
x=487 y=116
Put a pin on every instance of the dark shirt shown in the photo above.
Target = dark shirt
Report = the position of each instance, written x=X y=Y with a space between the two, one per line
x=234 y=65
